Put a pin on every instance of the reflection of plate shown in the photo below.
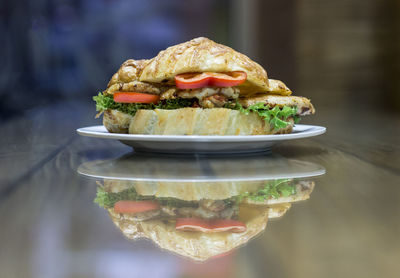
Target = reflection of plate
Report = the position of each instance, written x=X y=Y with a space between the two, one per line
x=199 y=168
x=200 y=143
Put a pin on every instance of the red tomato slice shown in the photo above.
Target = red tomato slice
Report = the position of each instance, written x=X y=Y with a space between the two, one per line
x=131 y=97
x=228 y=79
x=218 y=225
x=135 y=206
x=209 y=79
x=192 y=80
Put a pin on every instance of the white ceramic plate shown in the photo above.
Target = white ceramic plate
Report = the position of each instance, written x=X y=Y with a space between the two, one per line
x=202 y=143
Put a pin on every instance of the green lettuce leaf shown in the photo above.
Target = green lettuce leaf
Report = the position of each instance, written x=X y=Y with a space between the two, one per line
x=276 y=116
x=104 y=102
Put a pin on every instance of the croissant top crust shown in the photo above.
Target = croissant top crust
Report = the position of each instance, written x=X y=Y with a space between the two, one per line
x=204 y=55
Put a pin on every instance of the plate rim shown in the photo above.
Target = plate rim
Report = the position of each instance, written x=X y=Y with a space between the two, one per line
x=310 y=175
x=305 y=132
x=95 y=169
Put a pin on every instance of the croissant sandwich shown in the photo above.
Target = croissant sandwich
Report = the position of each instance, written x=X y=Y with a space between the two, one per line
x=198 y=88
x=198 y=220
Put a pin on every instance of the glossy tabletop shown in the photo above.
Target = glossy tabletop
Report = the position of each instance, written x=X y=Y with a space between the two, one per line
x=50 y=226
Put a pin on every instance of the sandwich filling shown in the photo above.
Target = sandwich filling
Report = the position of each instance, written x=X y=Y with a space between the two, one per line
x=192 y=94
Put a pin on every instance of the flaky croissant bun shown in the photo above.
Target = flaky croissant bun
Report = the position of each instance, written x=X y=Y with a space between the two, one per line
x=204 y=55
x=129 y=71
x=126 y=79
x=198 y=121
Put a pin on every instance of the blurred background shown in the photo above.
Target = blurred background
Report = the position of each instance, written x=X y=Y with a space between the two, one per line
x=339 y=53
x=57 y=54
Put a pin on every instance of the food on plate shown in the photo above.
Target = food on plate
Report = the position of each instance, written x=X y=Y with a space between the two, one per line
x=198 y=220
x=198 y=88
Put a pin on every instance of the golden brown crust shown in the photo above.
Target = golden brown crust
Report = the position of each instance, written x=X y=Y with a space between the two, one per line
x=204 y=55
x=130 y=70
x=278 y=87
x=116 y=121
x=126 y=79
x=133 y=86
x=198 y=121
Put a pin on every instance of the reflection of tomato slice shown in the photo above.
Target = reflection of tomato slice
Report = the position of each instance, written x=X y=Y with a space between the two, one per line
x=222 y=255
x=193 y=224
x=205 y=226
x=132 y=97
x=205 y=79
x=228 y=225
x=135 y=206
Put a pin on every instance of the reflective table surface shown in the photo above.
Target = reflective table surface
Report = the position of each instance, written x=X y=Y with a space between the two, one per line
x=340 y=220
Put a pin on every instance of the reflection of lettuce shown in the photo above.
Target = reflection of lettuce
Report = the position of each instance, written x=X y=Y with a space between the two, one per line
x=276 y=117
x=107 y=200
x=273 y=189
x=104 y=102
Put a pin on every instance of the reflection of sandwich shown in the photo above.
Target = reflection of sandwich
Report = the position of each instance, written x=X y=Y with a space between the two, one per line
x=198 y=88
x=198 y=220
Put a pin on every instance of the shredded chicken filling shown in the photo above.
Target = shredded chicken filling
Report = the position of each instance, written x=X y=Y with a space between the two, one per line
x=207 y=97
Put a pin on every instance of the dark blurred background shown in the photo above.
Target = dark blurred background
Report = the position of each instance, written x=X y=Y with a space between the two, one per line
x=339 y=53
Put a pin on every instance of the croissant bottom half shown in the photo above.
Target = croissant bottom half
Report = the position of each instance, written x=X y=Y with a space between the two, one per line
x=190 y=121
